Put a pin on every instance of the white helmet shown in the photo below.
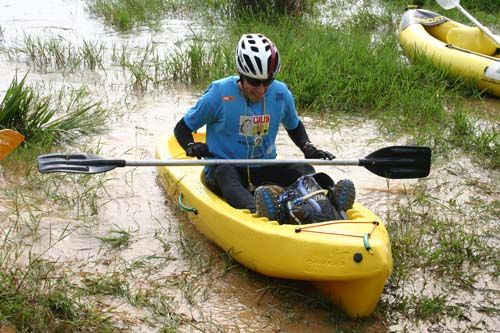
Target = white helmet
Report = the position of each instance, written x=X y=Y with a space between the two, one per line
x=257 y=57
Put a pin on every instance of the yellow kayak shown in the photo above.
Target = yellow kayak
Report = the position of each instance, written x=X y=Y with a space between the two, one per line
x=349 y=261
x=465 y=51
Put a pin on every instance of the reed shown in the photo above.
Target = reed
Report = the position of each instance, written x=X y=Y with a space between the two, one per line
x=124 y=15
x=47 y=119
x=56 y=53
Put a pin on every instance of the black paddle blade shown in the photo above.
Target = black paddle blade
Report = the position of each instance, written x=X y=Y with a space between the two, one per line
x=76 y=163
x=399 y=162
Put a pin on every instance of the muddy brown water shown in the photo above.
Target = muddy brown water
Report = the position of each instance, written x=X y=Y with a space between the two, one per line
x=155 y=262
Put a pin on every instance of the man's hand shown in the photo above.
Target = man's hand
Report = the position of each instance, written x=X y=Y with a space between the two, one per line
x=198 y=150
x=311 y=152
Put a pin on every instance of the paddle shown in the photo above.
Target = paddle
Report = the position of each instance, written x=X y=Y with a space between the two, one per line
x=9 y=140
x=449 y=4
x=396 y=162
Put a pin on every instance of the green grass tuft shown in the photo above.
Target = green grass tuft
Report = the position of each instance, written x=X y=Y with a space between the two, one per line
x=46 y=119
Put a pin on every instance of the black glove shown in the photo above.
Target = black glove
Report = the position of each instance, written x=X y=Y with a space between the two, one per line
x=198 y=150
x=310 y=152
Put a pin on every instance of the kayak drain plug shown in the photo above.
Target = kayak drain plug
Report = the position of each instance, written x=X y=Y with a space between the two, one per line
x=358 y=257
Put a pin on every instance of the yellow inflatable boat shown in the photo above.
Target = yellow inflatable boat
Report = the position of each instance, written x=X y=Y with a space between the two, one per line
x=465 y=51
x=349 y=261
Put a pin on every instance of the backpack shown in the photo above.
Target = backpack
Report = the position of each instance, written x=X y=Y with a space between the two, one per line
x=307 y=200
x=311 y=198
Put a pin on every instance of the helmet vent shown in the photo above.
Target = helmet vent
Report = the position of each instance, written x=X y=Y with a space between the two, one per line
x=249 y=65
x=259 y=64
x=240 y=65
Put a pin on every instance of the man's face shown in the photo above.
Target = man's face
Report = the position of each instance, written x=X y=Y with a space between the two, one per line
x=254 y=89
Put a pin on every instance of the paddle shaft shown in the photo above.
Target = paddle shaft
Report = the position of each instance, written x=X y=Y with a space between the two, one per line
x=205 y=162
x=395 y=162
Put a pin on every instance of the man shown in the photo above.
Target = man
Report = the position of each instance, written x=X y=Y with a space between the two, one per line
x=242 y=115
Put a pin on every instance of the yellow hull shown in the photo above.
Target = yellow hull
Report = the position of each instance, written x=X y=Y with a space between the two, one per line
x=465 y=51
x=349 y=261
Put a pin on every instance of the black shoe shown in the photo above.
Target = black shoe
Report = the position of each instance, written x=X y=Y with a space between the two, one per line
x=266 y=200
x=343 y=195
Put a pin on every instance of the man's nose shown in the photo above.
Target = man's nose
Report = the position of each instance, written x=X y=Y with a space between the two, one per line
x=261 y=89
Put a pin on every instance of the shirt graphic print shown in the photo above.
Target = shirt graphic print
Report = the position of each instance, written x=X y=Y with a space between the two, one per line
x=254 y=125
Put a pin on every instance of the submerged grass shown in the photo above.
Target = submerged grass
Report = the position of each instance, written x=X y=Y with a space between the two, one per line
x=125 y=15
x=41 y=302
x=429 y=308
x=57 y=53
x=116 y=239
x=444 y=246
x=36 y=296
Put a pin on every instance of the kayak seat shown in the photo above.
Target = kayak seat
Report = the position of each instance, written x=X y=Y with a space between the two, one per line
x=473 y=39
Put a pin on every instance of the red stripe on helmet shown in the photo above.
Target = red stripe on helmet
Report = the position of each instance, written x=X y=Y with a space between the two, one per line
x=272 y=67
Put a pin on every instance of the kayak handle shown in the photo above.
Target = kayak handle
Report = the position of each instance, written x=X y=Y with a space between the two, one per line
x=186 y=208
x=366 y=243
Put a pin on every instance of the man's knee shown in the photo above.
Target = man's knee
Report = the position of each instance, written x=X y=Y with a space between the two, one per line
x=226 y=173
x=229 y=180
x=302 y=169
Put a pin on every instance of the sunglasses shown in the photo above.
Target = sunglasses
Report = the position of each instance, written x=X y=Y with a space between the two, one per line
x=257 y=82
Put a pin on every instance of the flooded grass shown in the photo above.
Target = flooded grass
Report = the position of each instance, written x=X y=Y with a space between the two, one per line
x=195 y=63
x=107 y=284
x=351 y=74
x=475 y=136
x=361 y=78
x=57 y=53
x=34 y=300
x=116 y=239
x=447 y=246
x=36 y=295
x=125 y=15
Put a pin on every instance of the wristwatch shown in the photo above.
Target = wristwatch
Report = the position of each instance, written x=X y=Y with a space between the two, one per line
x=308 y=143
x=189 y=149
